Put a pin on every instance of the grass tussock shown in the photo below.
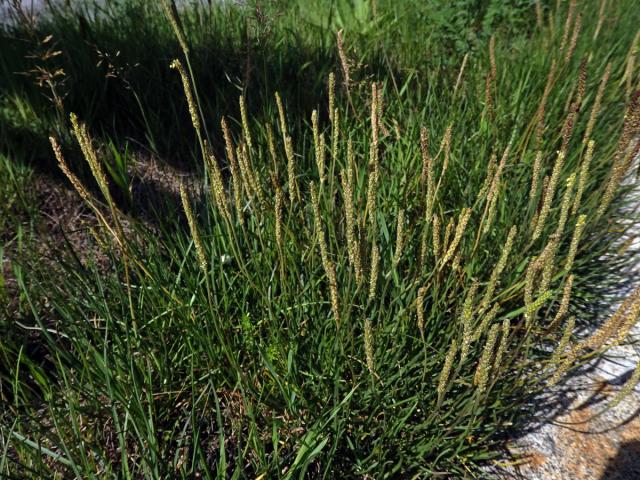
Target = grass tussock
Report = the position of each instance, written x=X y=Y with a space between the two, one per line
x=373 y=286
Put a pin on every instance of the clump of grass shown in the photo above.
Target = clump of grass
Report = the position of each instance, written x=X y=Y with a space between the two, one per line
x=342 y=333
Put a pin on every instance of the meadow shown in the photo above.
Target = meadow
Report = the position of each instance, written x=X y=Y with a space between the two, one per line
x=388 y=227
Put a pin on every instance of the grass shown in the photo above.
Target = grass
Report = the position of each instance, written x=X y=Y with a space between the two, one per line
x=121 y=86
x=374 y=290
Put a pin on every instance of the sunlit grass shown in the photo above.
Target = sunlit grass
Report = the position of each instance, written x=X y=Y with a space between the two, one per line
x=376 y=286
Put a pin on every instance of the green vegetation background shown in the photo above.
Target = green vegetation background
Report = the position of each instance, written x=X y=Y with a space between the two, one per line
x=152 y=368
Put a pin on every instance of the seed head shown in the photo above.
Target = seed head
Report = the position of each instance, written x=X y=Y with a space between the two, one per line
x=631 y=59
x=567 y=128
x=281 y=115
x=351 y=163
x=622 y=157
x=492 y=58
x=446 y=147
x=626 y=245
x=487 y=319
x=423 y=248
x=291 y=170
x=249 y=178
x=368 y=346
x=617 y=326
x=534 y=306
x=236 y=174
x=271 y=144
x=332 y=95
x=460 y=229
x=612 y=331
x=535 y=177
x=481 y=377
x=566 y=205
x=344 y=62
x=491 y=209
x=170 y=12
x=499 y=267
x=488 y=96
x=373 y=274
x=202 y=258
x=436 y=236
x=603 y=4
x=447 y=234
x=567 y=24
x=574 y=38
x=446 y=370
x=631 y=313
x=529 y=285
x=335 y=135
x=319 y=152
x=504 y=343
x=564 y=341
x=565 y=365
x=629 y=386
x=75 y=181
x=399 y=237
x=372 y=188
x=380 y=109
x=422 y=292
x=548 y=195
x=584 y=175
x=582 y=85
x=324 y=253
x=186 y=86
x=353 y=246
x=217 y=184
x=547 y=261
x=539 y=15
x=467 y=318
x=540 y=114
x=575 y=241
x=461 y=72
x=279 y=200
x=457 y=262
x=374 y=123
x=427 y=167
x=494 y=190
x=563 y=308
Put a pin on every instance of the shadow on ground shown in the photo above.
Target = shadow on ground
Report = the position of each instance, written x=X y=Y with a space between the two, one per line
x=626 y=464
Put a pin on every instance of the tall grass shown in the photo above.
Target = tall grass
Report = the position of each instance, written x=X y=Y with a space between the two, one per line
x=376 y=288
x=109 y=61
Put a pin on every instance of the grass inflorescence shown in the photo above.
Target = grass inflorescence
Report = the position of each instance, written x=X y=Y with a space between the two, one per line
x=371 y=285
